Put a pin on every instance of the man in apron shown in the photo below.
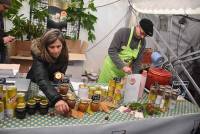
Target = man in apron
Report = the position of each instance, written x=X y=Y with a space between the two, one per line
x=125 y=50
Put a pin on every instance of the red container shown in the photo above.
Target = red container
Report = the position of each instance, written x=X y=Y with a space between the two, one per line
x=159 y=75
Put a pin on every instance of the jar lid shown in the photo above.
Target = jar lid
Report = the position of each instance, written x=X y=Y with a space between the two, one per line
x=97 y=92
x=44 y=102
x=37 y=98
x=21 y=105
x=31 y=102
x=20 y=94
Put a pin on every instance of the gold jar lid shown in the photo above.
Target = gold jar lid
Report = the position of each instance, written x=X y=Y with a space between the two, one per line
x=37 y=98
x=44 y=102
x=21 y=105
x=97 y=92
x=31 y=102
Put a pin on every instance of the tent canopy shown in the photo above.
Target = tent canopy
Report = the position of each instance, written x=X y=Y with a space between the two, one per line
x=167 y=6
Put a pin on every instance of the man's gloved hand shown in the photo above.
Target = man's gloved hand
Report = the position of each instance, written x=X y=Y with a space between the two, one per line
x=127 y=69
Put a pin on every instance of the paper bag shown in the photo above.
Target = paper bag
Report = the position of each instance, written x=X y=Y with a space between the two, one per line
x=132 y=88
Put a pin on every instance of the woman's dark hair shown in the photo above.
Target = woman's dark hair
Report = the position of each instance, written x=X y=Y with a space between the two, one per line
x=47 y=39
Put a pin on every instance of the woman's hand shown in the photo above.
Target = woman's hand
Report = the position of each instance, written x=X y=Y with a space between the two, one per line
x=61 y=107
x=127 y=69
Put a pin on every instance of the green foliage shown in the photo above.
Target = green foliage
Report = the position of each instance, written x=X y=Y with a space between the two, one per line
x=77 y=12
x=23 y=26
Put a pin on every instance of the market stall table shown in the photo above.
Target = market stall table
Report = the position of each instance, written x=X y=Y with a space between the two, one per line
x=181 y=120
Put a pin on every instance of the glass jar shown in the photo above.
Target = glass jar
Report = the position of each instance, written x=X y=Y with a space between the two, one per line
x=20 y=111
x=44 y=107
x=159 y=97
x=97 y=96
x=94 y=106
x=20 y=97
x=83 y=106
x=31 y=107
x=173 y=99
x=152 y=94
x=71 y=101
x=37 y=99
x=63 y=88
x=165 y=101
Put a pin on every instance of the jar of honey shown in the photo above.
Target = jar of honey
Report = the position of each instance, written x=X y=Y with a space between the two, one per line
x=31 y=107
x=83 y=106
x=37 y=99
x=63 y=88
x=94 y=106
x=71 y=101
x=20 y=111
x=44 y=107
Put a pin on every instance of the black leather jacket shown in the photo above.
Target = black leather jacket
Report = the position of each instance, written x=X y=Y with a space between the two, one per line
x=42 y=73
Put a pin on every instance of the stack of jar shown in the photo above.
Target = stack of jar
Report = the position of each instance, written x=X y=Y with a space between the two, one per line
x=115 y=91
x=163 y=96
x=8 y=101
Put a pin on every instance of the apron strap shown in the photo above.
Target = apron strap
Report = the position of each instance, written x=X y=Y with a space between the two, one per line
x=130 y=37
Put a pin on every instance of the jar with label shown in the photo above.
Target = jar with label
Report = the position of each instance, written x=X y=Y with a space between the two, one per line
x=31 y=107
x=111 y=89
x=165 y=100
x=20 y=97
x=174 y=96
x=44 y=107
x=96 y=96
x=118 y=94
x=159 y=97
x=63 y=88
x=94 y=106
x=11 y=101
x=83 y=105
x=152 y=94
x=1 y=110
x=71 y=101
x=20 y=111
x=37 y=99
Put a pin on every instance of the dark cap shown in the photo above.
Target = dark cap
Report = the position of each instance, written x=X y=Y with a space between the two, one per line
x=6 y=2
x=147 y=26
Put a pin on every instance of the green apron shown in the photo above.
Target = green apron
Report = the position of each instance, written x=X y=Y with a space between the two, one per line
x=110 y=70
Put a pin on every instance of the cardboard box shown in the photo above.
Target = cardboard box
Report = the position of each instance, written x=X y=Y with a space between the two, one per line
x=19 y=53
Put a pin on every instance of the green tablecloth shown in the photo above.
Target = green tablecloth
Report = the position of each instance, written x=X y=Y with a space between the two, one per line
x=37 y=120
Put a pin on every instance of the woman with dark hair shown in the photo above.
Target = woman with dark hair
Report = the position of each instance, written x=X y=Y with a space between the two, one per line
x=50 y=55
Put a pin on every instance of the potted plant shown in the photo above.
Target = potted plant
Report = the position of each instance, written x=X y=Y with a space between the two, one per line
x=78 y=12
